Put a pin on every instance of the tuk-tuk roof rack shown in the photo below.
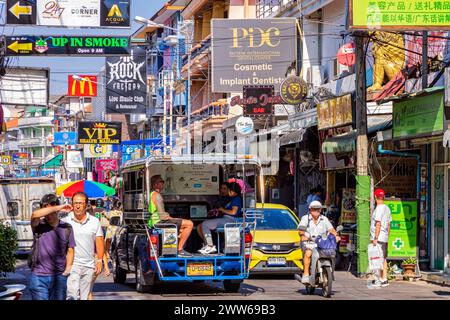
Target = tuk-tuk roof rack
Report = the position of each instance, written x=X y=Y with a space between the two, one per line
x=213 y=158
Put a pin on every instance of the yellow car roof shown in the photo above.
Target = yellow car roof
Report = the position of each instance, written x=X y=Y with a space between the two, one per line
x=272 y=206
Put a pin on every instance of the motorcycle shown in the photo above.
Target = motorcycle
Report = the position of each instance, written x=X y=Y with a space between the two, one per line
x=322 y=269
x=11 y=291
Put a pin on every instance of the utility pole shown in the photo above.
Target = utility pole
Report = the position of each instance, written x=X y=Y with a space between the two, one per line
x=362 y=178
x=424 y=60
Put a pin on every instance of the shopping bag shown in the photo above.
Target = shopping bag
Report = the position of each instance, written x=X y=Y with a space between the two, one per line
x=376 y=258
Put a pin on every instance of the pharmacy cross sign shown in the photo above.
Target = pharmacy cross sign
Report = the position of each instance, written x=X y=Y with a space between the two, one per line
x=398 y=243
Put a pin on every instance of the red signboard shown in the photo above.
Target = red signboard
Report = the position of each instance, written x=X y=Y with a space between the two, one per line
x=82 y=86
x=106 y=164
x=258 y=100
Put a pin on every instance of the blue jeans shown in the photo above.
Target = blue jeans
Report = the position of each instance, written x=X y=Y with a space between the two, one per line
x=48 y=287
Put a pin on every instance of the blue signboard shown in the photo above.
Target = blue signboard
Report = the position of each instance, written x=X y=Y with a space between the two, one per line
x=65 y=138
x=127 y=148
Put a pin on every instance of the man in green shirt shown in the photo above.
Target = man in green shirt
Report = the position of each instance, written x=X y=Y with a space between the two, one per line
x=160 y=216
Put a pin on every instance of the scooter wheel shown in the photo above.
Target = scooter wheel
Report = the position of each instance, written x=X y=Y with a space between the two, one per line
x=310 y=290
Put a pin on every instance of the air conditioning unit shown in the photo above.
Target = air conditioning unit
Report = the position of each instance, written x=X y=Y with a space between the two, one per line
x=337 y=69
x=313 y=75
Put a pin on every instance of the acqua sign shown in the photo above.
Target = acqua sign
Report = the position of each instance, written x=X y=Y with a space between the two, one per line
x=99 y=132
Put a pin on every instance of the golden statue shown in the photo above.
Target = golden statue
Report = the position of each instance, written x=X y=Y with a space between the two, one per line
x=389 y=60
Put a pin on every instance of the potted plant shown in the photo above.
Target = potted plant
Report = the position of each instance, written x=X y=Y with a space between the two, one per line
x=8 y=247
x=409 y=267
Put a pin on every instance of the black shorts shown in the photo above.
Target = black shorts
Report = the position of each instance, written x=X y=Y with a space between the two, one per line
x=176 y=221
x=384 y=247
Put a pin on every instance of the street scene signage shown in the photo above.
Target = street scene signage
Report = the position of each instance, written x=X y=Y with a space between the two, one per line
x=251 y=52
x=293 y=90
x=5 y=160
x=348 y=210
x=420 y=116
x=402 y=179
x=335 y=112
x=65 y=138
x=258 y=100
x=97 y=150
x=70 y=13
x=99 y=132
x=403 y=234
x=126 y=82
x=399 y=14
x=74 y=159
x=82 y=86
x=106 y=164
x=66 y=45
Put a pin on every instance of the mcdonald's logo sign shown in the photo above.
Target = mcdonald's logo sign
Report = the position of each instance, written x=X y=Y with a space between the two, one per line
x=82 y=86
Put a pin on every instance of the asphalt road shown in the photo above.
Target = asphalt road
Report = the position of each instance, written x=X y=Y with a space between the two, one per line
x=258 y=287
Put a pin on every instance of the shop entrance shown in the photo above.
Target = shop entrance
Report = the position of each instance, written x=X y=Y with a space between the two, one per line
x=440 y=218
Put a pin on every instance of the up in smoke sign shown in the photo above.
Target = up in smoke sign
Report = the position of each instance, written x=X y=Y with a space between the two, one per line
x=126 y=86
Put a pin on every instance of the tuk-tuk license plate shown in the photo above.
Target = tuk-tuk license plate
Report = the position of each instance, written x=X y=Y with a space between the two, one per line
x=276 y=261
x=200 y=269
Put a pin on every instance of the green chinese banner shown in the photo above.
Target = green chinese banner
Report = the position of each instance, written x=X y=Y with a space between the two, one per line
x=419 y=116
x=400 y=14
x=403 y=235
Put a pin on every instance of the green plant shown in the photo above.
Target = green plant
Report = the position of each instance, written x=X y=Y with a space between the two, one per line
x=390 y=271
x=410 y=260
x=8 y=247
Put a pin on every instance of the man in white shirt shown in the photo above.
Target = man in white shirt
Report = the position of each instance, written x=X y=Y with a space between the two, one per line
x=89 y=242
x=311 y=226
x=379 y=231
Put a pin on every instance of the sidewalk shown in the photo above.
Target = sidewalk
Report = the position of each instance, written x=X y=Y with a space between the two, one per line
x=436 y=277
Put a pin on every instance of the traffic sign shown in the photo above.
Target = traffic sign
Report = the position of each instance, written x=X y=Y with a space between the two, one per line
x=67 y=45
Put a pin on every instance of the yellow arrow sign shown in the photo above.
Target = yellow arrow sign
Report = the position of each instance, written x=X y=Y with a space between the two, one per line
x=17 y=10
x=16 y=46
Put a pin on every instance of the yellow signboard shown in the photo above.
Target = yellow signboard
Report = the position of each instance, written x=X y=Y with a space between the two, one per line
x=400 y=14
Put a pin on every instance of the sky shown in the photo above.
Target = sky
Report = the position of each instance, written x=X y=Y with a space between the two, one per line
x=60 y=67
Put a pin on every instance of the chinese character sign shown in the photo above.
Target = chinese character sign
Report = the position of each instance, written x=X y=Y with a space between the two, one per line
x=399 y=14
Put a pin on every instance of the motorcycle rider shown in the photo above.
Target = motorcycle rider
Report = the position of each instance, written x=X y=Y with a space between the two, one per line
x=313 y=225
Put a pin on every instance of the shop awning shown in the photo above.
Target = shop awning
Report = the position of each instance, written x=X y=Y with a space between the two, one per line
x=347 y=142
x=55 y=162
x=292 y=137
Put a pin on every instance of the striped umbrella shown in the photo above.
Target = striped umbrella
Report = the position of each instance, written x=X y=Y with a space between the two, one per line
x=91 y=188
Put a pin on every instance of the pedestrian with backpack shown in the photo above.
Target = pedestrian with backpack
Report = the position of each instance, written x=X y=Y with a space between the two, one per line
x=51 y=257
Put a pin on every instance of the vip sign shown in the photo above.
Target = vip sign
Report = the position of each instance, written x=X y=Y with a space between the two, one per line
x=84 y=86
x=99 y=132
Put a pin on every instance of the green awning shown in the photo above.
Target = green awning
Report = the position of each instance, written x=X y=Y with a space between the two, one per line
x=54 y=162
x=346 y=142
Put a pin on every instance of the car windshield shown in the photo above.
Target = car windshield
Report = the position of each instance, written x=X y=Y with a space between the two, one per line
x=276 y=219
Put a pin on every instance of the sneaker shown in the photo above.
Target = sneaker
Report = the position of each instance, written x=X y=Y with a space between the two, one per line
x=208 y=250
x=376 y=284
x=384 y=283
x=184 y=253
x=298 y=277
x=305 y=279
x=203 y=248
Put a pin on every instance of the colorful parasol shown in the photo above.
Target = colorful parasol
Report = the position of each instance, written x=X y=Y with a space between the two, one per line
x=91 y=188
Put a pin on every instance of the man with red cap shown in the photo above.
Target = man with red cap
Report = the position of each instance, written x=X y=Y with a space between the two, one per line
x=379 y=231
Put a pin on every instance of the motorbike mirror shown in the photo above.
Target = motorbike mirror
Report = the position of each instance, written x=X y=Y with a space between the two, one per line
x=302 y=228
x=339 y=228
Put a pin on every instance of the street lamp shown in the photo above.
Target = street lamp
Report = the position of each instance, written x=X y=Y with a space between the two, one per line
x=150 y=23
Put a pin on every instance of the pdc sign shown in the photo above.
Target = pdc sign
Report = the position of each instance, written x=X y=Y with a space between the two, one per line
x=99 y=132
x=82 y=86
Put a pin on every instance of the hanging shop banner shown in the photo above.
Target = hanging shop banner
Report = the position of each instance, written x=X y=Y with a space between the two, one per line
x=396 y=176
x=126 y=82
x=258 y=100
x=65 y=138
x=421 y=116
x=5 y=160
x=67 y=45
x=399 y=14
x=335 y=112
x=251 y=52
x=106 y=164
x=293 y=90
x=99 y=132
x=82 y=86
x=70 y=13
x=348 y=211
x=74 y=159
x=97 y=150
x=201 y=179
x=403 y=234
x=244 y=125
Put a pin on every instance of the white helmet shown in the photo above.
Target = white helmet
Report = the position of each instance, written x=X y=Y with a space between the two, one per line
x=315 y=205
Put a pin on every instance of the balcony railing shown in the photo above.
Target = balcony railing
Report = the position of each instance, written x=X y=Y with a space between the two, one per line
x=32 y=142
x=270 y=8
x=35 y=121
